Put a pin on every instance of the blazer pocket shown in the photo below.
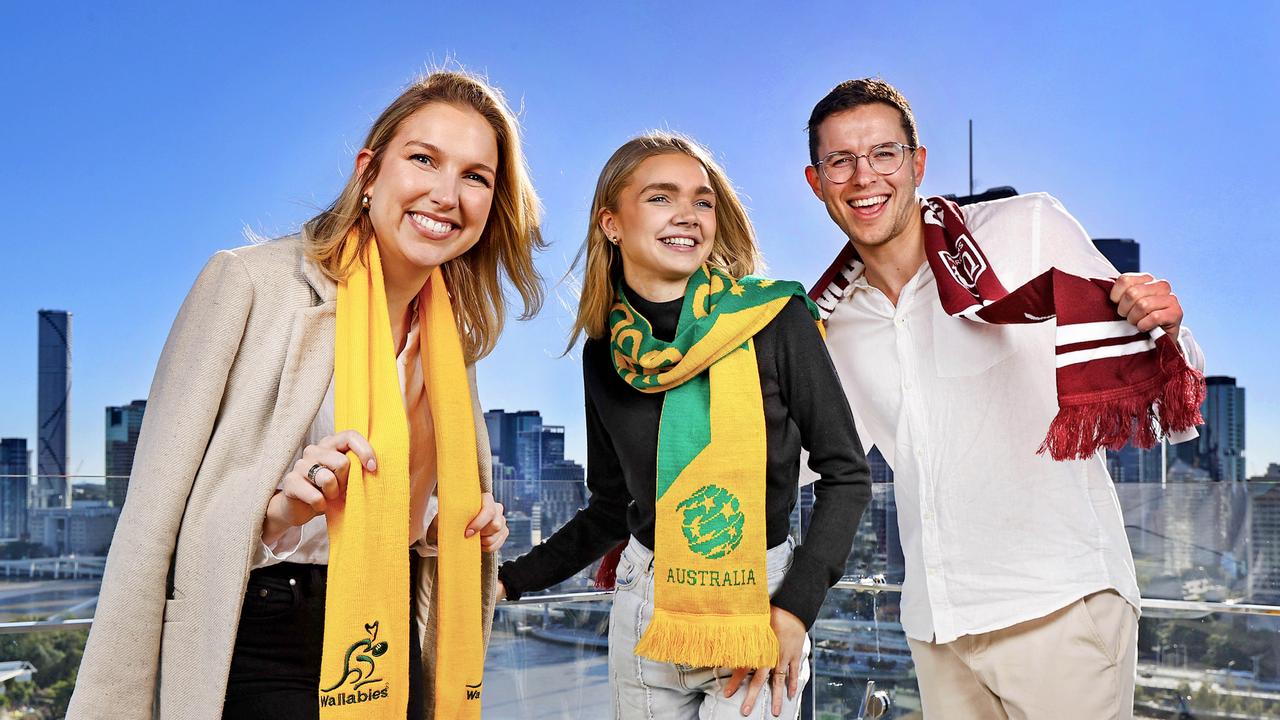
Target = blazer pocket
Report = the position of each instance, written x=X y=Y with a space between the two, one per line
x=174 y=610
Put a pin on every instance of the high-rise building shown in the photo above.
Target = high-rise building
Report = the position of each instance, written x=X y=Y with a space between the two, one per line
x=562 y=491
x=880 y=470
x=122 y=426
x=15 y=488
x=505 y=430
x=53 y=486
x=1124 y=253
x=81 y=530
x=996 y=193
x=1223 y=428
x=1219 y=450
x=1264 y=540
x=539 y=447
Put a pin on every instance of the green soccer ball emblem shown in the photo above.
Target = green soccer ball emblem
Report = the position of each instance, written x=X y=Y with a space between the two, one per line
x=712 y=521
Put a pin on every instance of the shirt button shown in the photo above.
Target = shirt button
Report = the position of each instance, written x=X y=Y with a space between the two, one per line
x=907 y=385
x=919 y=452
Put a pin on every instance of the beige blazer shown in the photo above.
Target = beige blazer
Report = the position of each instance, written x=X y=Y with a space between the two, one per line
x=238 y=384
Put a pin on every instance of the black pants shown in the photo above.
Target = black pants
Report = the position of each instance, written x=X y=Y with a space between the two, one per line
x=275 y=668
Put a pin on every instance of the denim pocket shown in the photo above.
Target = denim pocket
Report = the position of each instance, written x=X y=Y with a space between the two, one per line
x=627 y=574
x=270 y=598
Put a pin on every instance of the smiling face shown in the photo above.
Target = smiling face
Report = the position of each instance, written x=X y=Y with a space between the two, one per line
x=431 y=198
x=665 y=224
x=873 y=210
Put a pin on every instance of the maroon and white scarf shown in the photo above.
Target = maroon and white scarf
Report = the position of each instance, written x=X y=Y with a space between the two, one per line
x=1115 y=382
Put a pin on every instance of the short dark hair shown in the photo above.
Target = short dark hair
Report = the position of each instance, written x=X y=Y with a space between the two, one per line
x=851 y=94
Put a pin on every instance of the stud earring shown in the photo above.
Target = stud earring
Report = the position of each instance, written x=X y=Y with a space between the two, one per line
x=364 y=201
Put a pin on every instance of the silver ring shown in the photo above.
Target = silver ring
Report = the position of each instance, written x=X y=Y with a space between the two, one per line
x=311 y=473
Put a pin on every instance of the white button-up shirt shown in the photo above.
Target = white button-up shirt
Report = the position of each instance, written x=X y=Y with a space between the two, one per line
x=992 y=533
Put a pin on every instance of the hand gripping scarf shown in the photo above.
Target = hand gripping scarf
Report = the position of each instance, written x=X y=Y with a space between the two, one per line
x=364 y=672
x=1115 y=382
x=711 y=599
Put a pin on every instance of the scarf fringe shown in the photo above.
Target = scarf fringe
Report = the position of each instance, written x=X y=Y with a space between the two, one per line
x=700 y=641
x=1171 y=403
x=607 y=573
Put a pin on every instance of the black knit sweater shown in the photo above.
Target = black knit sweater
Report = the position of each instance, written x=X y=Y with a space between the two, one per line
x=804 y=406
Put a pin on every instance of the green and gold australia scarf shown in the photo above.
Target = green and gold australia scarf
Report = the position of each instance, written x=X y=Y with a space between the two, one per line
x=711 y=599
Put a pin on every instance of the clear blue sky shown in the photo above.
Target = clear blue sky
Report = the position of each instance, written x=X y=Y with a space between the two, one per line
x=139 y=140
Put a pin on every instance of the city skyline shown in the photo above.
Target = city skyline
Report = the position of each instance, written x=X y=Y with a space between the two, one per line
x=1112 y=110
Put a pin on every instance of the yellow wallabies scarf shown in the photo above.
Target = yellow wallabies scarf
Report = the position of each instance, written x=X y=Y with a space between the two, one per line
x=711 y=598
x=364 y=672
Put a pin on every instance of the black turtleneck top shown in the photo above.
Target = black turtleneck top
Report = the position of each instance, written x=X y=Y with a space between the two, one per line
x=804 y=406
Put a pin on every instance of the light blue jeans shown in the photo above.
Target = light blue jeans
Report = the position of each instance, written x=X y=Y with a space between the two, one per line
x=645 y=689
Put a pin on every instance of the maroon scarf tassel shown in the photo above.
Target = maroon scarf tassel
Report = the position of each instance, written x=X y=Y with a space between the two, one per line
x=1172 y=402
x=607 y=573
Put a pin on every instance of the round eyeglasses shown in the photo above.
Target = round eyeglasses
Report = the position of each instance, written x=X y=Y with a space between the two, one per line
x=883 y=159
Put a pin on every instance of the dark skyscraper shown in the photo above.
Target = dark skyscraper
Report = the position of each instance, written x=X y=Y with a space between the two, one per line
x=539 y=447
x=1122 y=252
x=53 y=487
x=15 y=486
x=515 y=480
x=562 y=491
x=1219 y=451
x=505 y=429
x=122 y=426
x=1223 y=429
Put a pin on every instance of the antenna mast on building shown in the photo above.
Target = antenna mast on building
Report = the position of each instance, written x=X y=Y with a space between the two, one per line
x=970 y=156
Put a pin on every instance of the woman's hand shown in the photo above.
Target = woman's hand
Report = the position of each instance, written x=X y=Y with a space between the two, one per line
x=301 y=497
x=490 y=523
x=790 y=632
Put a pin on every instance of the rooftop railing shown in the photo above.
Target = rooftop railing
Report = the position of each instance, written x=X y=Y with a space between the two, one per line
x=1207 y=556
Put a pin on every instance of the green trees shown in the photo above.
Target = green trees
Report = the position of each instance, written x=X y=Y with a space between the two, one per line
x=56 y=656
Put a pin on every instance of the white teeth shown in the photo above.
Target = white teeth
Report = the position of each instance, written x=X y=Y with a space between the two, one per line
x=430 y=225
x=868 y=202
x=679 y=241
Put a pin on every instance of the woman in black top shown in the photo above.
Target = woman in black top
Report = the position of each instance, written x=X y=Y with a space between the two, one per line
x=663 y=211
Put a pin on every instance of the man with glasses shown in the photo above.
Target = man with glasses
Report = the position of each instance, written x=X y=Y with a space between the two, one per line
x=1020 y=597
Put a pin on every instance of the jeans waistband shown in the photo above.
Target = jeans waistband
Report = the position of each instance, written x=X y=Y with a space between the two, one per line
x=305 y=575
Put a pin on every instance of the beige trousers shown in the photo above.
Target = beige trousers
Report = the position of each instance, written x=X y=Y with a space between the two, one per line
x=1075 y=663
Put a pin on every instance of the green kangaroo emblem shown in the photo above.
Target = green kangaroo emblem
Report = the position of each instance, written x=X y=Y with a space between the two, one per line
x=372 y=649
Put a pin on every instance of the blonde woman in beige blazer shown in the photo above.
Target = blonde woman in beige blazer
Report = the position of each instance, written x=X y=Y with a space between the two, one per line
x=209 y=605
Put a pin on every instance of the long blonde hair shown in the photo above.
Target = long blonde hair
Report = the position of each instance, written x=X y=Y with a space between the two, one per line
x=510 y=236
x=734 y=249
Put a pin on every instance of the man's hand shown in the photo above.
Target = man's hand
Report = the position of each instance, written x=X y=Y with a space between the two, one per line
x=791 y=634
x=1147 y=303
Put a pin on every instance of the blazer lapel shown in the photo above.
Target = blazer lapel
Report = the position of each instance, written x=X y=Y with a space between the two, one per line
x=304 y=378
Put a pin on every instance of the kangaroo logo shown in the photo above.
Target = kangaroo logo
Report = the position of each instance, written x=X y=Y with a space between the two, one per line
x=358 y=667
